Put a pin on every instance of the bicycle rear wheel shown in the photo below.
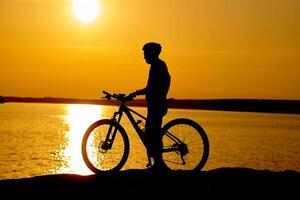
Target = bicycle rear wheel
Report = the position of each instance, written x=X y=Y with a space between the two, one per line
x=185 y=145
x=96 y=156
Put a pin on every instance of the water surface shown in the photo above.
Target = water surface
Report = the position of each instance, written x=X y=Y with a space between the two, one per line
x=40 y=139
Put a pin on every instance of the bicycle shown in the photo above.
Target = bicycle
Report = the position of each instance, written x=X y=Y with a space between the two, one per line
x=105 y=144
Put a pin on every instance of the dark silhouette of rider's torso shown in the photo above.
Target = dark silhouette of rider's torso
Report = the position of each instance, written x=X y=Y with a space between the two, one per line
x=158 y=84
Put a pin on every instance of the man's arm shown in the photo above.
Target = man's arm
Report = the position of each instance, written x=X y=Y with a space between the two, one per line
x=140 y=92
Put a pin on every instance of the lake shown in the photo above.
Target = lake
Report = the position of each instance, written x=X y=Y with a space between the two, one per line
x=41 y=139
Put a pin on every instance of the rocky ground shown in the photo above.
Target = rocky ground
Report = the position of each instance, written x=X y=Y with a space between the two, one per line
x=240 y=183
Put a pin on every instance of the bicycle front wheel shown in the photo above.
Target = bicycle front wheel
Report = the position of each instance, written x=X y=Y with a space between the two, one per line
x=185 y=145
x=96 y=155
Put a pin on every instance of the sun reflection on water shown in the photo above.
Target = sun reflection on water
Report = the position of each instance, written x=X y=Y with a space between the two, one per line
x=79 y=117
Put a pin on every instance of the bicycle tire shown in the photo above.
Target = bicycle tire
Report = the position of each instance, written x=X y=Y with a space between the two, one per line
x=196 y=140
x=99 y=160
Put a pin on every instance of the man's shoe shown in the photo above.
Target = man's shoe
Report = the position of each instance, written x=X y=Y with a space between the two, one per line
x=159 y=168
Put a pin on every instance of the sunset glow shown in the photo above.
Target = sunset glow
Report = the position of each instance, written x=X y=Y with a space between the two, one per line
x=86 y=10
x=213 y=49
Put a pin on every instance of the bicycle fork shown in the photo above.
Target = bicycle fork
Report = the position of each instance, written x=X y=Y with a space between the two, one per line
x=111 y=133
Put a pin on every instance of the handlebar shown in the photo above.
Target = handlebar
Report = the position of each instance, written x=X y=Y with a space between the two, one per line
x=123 y=98
x=106 y=93
x=120 y=97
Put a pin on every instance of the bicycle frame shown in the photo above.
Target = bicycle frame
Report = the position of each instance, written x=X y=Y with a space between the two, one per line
x=116 y=119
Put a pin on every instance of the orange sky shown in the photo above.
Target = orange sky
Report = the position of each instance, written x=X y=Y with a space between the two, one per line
x=213 y=48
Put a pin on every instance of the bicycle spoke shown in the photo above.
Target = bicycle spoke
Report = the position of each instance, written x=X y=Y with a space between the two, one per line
x=101 y=155
x=188 y=151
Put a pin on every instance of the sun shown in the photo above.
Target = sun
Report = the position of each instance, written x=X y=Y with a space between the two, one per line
x=86 y=10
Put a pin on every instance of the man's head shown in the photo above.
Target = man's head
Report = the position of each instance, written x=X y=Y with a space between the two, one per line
x=151 y=51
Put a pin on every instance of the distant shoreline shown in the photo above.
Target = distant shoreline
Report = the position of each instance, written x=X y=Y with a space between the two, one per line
x=241 y=105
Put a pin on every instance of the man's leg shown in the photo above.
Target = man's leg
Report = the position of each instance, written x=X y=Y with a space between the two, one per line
x=153 y=131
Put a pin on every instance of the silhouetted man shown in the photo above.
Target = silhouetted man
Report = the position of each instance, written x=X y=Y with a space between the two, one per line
x=156 y=92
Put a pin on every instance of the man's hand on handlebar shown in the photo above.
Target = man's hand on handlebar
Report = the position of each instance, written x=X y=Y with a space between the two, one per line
x=131 y=96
